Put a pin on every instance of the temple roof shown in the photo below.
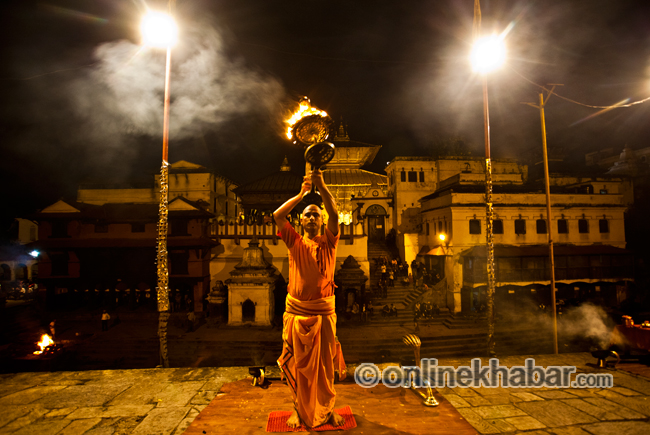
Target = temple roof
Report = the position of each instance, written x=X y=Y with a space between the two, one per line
x=352 y=177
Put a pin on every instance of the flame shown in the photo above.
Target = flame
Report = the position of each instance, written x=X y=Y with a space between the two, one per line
x=46 y=341
x=304 y=109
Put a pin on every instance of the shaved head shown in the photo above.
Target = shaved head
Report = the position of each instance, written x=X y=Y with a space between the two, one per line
x=312 y=207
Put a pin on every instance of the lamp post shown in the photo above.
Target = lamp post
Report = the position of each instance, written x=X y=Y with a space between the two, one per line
x=159 y=30
x=487 y=55
x=549 y=221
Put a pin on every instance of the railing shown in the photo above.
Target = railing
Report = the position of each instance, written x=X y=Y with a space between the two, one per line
x=269 y=231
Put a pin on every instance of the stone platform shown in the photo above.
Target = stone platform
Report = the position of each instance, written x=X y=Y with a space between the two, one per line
x=167 y=401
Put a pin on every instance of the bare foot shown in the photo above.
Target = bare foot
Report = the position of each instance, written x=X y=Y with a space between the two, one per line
x=336 y=420
x=294 y=420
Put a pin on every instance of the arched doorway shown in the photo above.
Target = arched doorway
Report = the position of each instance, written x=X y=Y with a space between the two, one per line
x=5 y=272
x=21 y=272
x=248 y=311
x=376 y=215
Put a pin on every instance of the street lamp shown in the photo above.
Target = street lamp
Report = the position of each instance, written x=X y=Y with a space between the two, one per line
x=487 y=55
x=160 y=30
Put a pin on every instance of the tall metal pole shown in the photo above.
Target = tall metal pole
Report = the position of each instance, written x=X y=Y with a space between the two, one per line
x=549 y=220
x=162 y=289
x=488 y=222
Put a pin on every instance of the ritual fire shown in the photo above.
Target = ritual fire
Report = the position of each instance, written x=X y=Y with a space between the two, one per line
x=308 y=124
x=47 y=345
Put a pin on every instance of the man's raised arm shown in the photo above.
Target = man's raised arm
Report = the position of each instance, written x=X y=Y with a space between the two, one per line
x=328 y=201
x=280 y=215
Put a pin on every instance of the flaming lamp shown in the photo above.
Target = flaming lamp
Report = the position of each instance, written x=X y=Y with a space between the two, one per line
x=311 y=127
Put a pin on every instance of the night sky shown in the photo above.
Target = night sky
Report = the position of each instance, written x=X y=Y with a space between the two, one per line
x=80 y=101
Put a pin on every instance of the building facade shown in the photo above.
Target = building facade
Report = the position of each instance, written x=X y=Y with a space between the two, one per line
x=101 y=249
x=588 y=230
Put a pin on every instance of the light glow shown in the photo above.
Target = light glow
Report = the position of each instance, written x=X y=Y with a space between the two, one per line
x=488 y=54
x=304 y=109
x=345 y=217
x=34 y=253
x=159 y=30
x=46 y=341
x=442 y=237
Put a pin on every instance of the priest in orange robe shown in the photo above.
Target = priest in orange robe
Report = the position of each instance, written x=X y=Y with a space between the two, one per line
x=311 y=353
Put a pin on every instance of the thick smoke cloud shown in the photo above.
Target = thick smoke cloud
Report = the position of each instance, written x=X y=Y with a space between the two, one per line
x=123 y=94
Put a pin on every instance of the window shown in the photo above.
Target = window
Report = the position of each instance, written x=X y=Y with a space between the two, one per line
x=179 y=227
x=497 y=226
x=603 y=226
x=439 y=227
x=583 y=226
x=475 y=226
x=541 y=226
x=427 y=227
x=421 y=176
x=101 y=228
x=413 y=176
x=562 y=226
x=403 y=175
x=59 y=229
x=520 y=226
x=59 y=263
x=137 y=228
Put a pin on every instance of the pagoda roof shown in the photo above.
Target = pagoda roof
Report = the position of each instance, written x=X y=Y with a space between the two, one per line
x=352 y=177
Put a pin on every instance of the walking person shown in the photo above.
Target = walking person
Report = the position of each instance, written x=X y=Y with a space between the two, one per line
x=105 y=318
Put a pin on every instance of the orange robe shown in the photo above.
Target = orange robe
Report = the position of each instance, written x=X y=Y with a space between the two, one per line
x=311 y=353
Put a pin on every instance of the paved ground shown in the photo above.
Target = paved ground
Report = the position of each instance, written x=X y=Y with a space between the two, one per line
x=165 y=401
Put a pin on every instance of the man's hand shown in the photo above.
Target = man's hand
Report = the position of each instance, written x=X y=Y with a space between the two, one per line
x=306 y=185
x=317 y=178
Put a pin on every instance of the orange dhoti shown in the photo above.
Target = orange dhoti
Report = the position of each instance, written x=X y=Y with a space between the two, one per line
x=310 y=356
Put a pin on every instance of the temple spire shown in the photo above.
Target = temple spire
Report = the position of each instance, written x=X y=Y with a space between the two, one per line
x=342 y=133
x=285 y=165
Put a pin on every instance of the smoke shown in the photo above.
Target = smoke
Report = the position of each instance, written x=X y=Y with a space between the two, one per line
x=121 y=99
x=587 y=321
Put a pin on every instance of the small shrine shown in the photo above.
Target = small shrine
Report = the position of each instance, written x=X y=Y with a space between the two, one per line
x=351 y=284
x=250 y=289
x=217 y=302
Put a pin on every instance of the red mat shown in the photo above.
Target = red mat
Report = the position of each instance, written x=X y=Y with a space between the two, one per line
x=278 y=422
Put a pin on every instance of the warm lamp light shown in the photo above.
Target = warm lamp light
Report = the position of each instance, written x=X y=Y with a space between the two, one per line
x=159 y=30
x=488 y=54
x=442 y=237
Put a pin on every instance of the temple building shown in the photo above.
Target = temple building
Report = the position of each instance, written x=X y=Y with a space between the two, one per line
x=102 y=246
x=587 y=226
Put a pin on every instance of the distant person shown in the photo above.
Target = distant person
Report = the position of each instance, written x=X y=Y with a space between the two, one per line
x=105 y=318
x=393 y=310
x=191 y=317
x=53 y=328
x=355 y=310
x=391 y=279
x=385 y=312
